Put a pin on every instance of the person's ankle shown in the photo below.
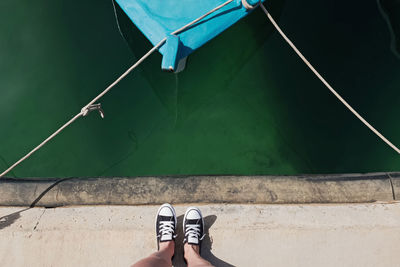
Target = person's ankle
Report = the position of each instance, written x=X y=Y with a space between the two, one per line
x=190 y=250
x=168 y=246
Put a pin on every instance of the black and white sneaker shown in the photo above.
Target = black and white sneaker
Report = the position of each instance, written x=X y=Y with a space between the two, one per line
x=165 y=224
x=193 y=227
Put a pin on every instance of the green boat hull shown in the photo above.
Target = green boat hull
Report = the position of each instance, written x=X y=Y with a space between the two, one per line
x=244 y=105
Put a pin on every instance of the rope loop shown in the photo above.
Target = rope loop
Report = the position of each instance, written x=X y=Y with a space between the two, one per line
x=87 y=109
x=249 y=6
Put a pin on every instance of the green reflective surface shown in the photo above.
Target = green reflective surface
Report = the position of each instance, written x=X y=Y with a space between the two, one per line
x=244 y=105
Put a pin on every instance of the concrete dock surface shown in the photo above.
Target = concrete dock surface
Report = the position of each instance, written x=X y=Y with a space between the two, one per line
x=238 y=235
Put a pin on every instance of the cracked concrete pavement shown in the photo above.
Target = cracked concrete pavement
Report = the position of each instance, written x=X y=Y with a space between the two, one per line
x=239 y=235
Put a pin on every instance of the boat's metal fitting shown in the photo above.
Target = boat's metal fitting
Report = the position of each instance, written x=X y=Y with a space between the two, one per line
x=87 y=109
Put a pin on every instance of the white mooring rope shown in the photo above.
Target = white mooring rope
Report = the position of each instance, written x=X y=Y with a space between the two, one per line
x=92 y=106
x=325 y=82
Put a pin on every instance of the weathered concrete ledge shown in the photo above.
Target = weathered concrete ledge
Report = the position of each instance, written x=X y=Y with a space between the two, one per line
x=356 y=235
x=349 y=188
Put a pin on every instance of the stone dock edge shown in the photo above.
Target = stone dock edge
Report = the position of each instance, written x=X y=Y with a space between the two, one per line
x=302 y=189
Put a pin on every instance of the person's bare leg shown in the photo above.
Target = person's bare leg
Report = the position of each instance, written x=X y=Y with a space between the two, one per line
x=193 y=257
x=165 y=234
x=161 y=258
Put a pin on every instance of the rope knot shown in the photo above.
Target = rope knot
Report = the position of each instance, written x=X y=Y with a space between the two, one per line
x=87 y=109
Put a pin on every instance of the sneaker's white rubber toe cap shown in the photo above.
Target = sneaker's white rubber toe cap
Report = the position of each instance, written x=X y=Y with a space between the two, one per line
x=166 y=210
x=193 y=213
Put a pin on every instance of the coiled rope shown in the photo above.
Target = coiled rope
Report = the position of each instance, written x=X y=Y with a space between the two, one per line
x=326 y=83
x=91 y=106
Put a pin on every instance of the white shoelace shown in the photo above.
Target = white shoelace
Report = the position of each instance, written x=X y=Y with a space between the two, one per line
x=193 y=231
x=166 y=228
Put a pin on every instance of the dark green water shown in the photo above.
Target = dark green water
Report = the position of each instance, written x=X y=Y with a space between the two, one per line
x=236 y=109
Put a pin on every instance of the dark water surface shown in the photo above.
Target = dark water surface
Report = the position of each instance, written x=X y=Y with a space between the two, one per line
x=244 y=105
